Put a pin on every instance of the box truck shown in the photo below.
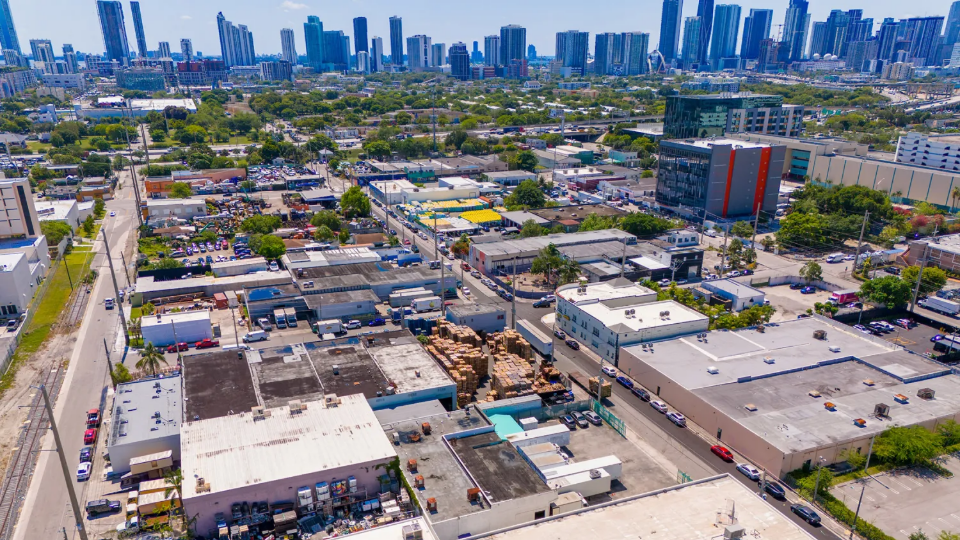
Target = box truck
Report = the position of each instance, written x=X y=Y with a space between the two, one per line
x=279 y=318
x=291 y=315
x=332 y=326
x=430 y=303
x=940 y=305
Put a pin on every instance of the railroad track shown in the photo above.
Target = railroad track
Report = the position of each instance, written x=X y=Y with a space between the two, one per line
x=77 y=305
x=24 y=459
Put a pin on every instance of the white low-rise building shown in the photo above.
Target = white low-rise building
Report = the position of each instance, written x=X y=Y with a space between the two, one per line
x=332 y=257
x=170 y=328
x=66 y=211
x=23 y=265
x=609 y=315
x=185 y=209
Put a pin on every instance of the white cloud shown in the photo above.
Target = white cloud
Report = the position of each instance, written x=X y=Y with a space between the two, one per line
x=289 y=4
x=186 y=17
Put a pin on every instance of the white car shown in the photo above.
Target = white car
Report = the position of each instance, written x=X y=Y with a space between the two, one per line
x=659 y=405
x=273 y=266
x=749 y=471
x=112 y=214
x=677 y=418
x=83 y=471
x=609 y=371
x=466 y=291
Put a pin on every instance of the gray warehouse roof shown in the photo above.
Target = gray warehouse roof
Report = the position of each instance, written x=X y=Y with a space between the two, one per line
x=466 y=310
x=532 y=245
x=137 y=405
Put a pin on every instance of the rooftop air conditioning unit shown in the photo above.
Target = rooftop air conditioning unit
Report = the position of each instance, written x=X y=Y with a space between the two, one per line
x=713 y=370
x=594 y=474
x=750 y=407
x=259 y=412
x=769 y=360
x=881 y=409
x=296 y=406
x=926 y=393
x=734 y=532
x=834 y=349
x=820 y=334
x=813 y=393
x=331 y=400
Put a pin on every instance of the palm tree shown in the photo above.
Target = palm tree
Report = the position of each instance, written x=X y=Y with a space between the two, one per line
x=568 y=272
x=955 y=194
x=150 y=358
x=136 y=327
x=174 y=480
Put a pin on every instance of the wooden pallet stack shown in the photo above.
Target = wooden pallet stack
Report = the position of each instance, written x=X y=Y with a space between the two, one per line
x=513 y=376
x=605 y=391
x=457 y=350
x=549 y=380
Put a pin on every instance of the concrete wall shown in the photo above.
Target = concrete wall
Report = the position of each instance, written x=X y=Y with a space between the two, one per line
x=501 y=514
x=206 y=506
x=486 y=322
x=916 y=183
x=190 y=332
x=17 y=286
x=121 y=454
x=345 y=310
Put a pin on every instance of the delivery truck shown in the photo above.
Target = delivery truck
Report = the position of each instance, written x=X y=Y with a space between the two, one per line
x=844 y=297
x=940 y=305
x=399 y=313
x=291 y=316
x=332 y=326
x=423 y=305
x=279 y=318
x=537 y=339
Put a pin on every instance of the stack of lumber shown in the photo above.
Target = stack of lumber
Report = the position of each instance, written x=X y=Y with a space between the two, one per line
x=549 y=381
x=511 y=342
x=513 y=376
x=605 y=391
x=457 y=350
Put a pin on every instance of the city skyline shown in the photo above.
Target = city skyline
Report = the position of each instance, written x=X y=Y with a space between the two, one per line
x=179 y=19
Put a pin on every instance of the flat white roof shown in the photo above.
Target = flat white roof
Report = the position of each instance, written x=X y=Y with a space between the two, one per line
x=9 y=260
x=234 y=451
x=683 y=512
x=606 y=290
x=160 y=104
x=643 y=315
x=736 y=143
x=391 y=186
x=174 y=202
x=177 y=318
x=54 y=210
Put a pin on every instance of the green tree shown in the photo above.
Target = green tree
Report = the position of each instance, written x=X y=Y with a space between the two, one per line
x=919 y=535
x=344 y=236
x=180 y=190
x=99 y=207
x=526 y=160
x=55 y=231
x=889 y=291
x=808 y=484
x=527 y=194
x=547 y=262
x=742 y=229
x=354 y=203
x=853 y=458
x=174 y=478
x=328 y=218
x=166 y=263
x=596 y=222
x=644 y=225
x=646 y=174
x=947 y=535
x=811 y=271
x=88 y=225
x=271 y=247
x=907 y=445
x=949 y=432
x=377 y=149
x=120 y=374
x=261 y=224
x=934 y=278
x=150 y=359
x=530 y=229
x=568 y=272
x=735 y=252
x=799 y=229
x=394 y=241
x=323 y=234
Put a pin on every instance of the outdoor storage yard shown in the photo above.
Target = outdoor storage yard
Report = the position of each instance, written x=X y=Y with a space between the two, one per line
x=908 y=500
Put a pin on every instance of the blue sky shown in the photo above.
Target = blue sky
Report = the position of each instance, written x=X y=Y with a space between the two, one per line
x=75 y=21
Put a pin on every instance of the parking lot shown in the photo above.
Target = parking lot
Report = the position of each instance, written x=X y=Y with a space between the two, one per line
x=906 y=501
x=916 y=339
x=790 y=303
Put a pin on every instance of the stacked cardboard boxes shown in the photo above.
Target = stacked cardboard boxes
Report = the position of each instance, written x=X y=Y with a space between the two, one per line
x=457 y=349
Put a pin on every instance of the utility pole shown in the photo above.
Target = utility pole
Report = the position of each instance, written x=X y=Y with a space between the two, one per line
x=125 y=269
x=109 y=363
x=443 y=289
x=863 y=487
x=146 y=150
x=756 y=222
x=863 y=229
x=723 y=251
x=113 y=275
x=513 y=297
x=434 y=118
x=623 y=259
x=67 y=268
x=916 y=289
x=67 y=473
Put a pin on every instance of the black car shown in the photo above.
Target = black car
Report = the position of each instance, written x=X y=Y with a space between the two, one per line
x=568 y=421
x=102 y=506
x=797 y=286
x=806 y=513
x=775 y=489
x=640 y=393
x=86 y=454
x=575 y=345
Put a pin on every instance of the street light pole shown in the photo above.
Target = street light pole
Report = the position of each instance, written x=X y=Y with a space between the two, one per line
x=77 y=516
x=816 y=486
x=116 y=289
x=863 y=487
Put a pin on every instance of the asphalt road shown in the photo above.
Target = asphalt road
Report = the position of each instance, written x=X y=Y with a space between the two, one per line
x=46 y=508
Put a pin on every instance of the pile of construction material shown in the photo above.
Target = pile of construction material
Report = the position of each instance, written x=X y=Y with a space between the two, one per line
x=513 y=365
x=458 y=350
x=606 y=390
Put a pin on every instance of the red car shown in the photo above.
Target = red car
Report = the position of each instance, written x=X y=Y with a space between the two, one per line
x=182 y=346
x=722 y=452
x=207 y=343
x=93 y=418
x=90 y=436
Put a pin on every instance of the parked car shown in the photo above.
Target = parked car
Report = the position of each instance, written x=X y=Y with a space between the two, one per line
x=807 y=290
x=83 y=471
x=542 y=303
x=108 y=303
x=625 y=381
x=580 y=419
x=90 y=436
x=573 y=344
x=722 y=452
x=806 y=513
x=559 y=334
x=102 y=506
x=207 y=343
x=93 y=418
x=936 y=338
x=677 y=418
x=775 y=489
x=182 y=346
x=568 y=421
x=659 y=406
x=353 y=325
x=86 y=454
x=640 y=393
x=12 y=325
x=255 y=335
x=609 y=371
x=475 y=274
x=749 y=471
x=377 y=322
x=593 y=418
x=796 y=286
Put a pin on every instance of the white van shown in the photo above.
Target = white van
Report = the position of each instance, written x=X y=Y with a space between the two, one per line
x=835 y=258
x=256 y=335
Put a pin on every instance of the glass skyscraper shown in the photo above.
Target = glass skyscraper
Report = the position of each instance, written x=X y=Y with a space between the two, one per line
x=360 y=42
x=138 y=29
x=396 y=40
x=313 y=35
x=513 y=43
x=756 y=28
x=670 y=29
x=726 y=30
x=8 y=32
x=114 y=31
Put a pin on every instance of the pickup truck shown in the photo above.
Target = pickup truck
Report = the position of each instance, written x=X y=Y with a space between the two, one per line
x=93 y=418
x=208 y=343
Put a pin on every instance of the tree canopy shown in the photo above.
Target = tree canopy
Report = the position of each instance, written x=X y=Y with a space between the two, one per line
x=271 y=247
x=934 y=278
x=260 y=224
x=644 y=225
x=889 y=291
x=527 y=194
x=355 y=203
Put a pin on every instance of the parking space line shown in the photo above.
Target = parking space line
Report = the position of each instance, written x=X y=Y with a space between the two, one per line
x=901 y=484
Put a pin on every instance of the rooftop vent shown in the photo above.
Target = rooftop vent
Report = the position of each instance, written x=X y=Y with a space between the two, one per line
x=881 y=410
x=296 y=406
x=834 y=349
x=594 y=474
x=713 y=370
x=331 y=400
x=750 y=407
x=769 y=360
x=926 y=393
x=813 y=393
x=869 y=382
x=829 y=406
x=902 y=399
x=820 y=334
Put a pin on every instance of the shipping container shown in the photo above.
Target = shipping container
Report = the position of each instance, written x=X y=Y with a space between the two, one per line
x=430 y=303
x=537 y=339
